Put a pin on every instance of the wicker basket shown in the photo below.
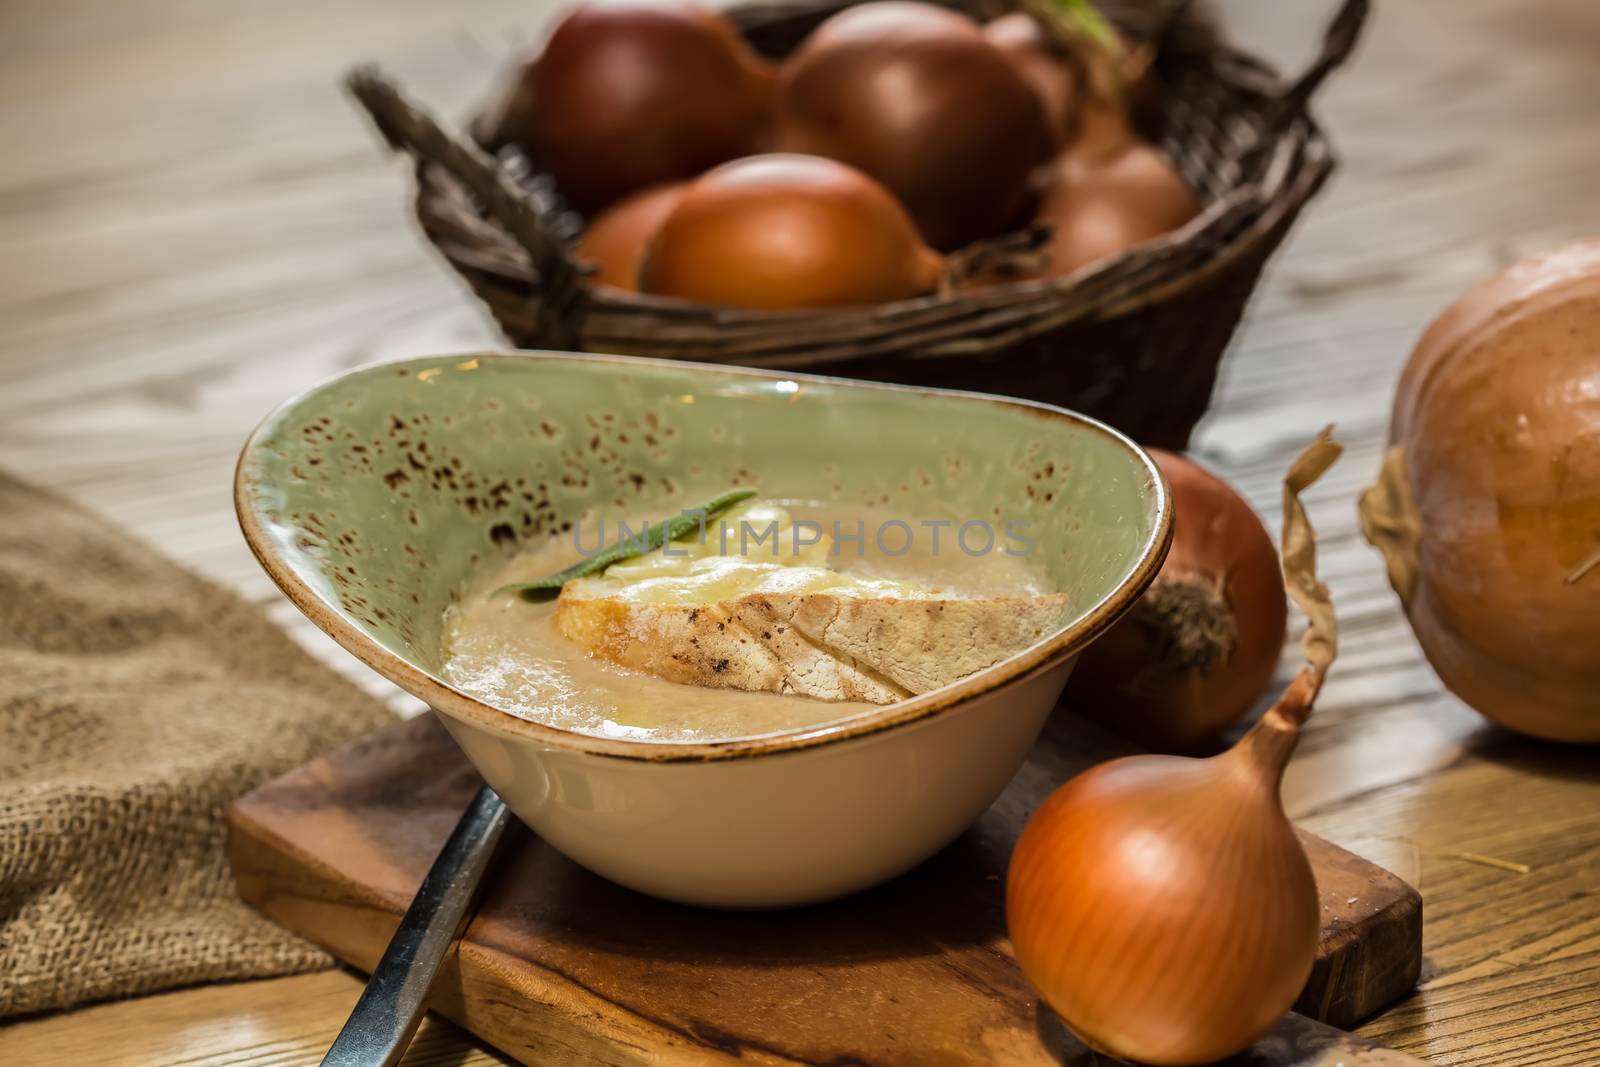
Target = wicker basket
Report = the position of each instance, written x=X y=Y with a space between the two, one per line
x=1135 y=341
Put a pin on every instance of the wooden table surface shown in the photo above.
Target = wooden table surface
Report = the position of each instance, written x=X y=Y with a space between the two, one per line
x=194 y=224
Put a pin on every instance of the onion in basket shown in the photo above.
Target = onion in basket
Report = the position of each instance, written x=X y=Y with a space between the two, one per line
x=918 y=98
x=615 y=241
x=1120 y=103
x=631 y=93
x=1098 y=209
x=1487 y=508
x=1099 y=90
x=1041 y=63
x=788 y=231
x=1201 y=645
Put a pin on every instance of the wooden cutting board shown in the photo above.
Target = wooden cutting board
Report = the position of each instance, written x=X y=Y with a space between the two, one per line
x=561 y=966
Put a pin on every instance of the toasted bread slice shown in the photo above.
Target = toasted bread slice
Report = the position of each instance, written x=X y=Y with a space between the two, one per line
x=831 y=645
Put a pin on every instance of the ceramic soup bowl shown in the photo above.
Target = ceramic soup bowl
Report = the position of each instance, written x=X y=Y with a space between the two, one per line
x=372 y=498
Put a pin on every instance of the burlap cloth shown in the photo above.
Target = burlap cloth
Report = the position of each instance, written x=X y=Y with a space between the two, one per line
x=136 y=700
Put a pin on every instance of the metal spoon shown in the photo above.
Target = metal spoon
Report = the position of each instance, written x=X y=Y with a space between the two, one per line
x=396 y=997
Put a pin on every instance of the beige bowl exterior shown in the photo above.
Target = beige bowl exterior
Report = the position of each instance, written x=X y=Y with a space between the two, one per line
x=788 y=829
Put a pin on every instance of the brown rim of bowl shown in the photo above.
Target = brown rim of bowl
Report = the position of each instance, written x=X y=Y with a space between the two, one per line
x=446 y=699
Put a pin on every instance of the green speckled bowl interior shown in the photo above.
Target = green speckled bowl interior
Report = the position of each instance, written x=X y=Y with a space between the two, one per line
x=373 y=497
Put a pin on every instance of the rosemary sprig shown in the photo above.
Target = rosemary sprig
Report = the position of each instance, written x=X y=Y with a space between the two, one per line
x=655 y=536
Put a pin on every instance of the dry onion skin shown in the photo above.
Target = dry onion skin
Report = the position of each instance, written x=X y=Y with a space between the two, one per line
x=916 y=96
x=789 y=231
x=633 y=93
x=615 y=241
x=1200 y=647
x=1099 y=87
x=1163 y=906
x=1120 y=103
x=1107 y=189
x=1487 y=507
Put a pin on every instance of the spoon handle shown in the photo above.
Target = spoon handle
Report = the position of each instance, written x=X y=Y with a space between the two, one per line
x=396 y=997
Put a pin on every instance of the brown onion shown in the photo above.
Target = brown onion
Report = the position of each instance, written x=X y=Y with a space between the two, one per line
x=616 y=240
x=1102 y=131
x=1201 y=645
x=1163 y=906
x=1487 y=508
x=632 y=93
x=1099 y=209
x=1040 y=61
x=1120 y=103
x=1099 y=88
x=918 y=98
x=788 y=231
